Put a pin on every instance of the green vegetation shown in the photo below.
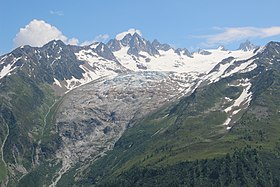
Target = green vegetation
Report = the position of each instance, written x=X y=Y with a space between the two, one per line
x=243 y=168
x=4 y=132
x=3 y=171
x=40 y=176
x=23 y=104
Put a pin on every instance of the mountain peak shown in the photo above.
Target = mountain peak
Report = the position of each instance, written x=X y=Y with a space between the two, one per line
x=104 y=51
x=54 y=45
x=183 y=51
x=55 y=42
x=134 y=41
x=136 y=35
x=128 y=33
x=271 y=50
x=94 y=45
x=272 y=44
x=136 y=38
x=247 y=46
x=138 y=44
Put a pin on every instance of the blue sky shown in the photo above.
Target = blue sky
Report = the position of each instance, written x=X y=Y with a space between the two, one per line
x=182 y=23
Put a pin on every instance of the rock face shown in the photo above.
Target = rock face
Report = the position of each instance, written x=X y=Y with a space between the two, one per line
x=114 y=45
x=159 y=46
x=104 y=51
x=203 y=52
x=138 y=44
x=183 y=52
x=135 y=44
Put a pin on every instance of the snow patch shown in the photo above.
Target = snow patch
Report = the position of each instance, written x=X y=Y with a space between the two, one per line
x=56 y=82
x=72 y=83
x=249 y=68
x=94 y=68
x=216 y=75
x=6 y=70
x=239 y=68
x=226 y=123
x=2 y=60
x=242 y=101
x=94 y=45
x=244 y=98
x=228 y=99
x=228 y=128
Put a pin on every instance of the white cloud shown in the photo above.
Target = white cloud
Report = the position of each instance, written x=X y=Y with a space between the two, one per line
x=120 y=36
x=233 y=34
x=38 y=32
x=99 y=38
x=56 y=13
x=73 y=41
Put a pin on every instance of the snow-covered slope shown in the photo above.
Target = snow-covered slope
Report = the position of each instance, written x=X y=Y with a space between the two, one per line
x=171 y=61
x=128 y=52
x=165 y=58
x=94 y=67
x=190 y=69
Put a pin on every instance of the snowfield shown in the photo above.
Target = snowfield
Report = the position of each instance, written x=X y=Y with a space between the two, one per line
x=171 y=61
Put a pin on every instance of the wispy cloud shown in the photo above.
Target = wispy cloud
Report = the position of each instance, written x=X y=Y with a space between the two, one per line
x=102 y=37
x=56 y=13
x=99 y=38
x=38 y=32
x=232 y=34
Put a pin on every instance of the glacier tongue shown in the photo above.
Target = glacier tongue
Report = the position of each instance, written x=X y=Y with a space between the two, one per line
x=94 y=116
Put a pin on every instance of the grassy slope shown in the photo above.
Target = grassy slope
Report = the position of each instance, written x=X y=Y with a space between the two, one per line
x=3 y=169
x=23 y=104
x=49 y=143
